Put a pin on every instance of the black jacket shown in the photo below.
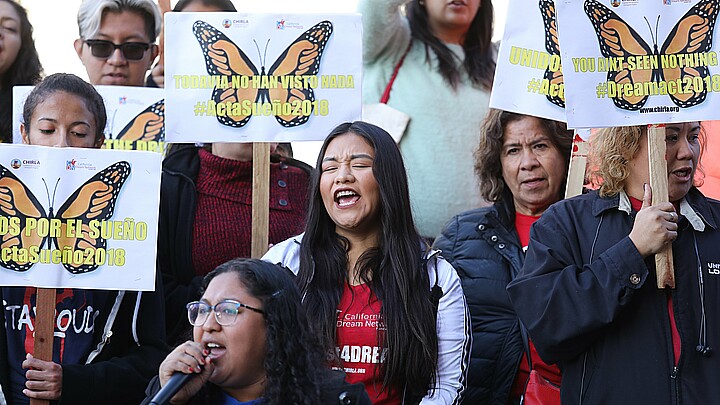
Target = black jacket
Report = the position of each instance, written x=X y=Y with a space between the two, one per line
x=590 y=301
x=331 y=389
x=178 y=199
x=483 y=246
x=129 y=349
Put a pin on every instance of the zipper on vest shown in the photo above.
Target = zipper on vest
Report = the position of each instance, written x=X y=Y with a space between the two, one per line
x=673 y=377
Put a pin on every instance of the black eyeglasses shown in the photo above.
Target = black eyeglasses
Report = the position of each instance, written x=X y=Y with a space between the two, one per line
x=225 y=312
x=104 y=49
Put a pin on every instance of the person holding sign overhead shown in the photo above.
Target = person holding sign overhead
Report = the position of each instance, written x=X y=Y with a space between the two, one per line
x=587 y=291
x=110 y=347
x=390 y=311
x=437 y=63
x=522 y=163
x=206 y=207
x=117 y=40
x=252 y=345
x=19 y=60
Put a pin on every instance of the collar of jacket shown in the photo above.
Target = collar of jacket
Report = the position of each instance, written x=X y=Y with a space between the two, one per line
x=182 y=160
x=693 y=206
x=501 y=218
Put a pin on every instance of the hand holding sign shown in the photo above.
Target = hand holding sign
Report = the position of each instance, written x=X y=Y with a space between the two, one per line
x=655 y=226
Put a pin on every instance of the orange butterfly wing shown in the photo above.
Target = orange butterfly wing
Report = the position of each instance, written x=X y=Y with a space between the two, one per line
x=693 y=33
x=224 y=58
x=16 y=200
x=301 y=58
x=149 y=125
x=618 y=39
x=94 y=200
x=552 y=45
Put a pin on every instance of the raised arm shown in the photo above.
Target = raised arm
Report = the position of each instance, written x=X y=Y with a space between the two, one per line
x=385 y=31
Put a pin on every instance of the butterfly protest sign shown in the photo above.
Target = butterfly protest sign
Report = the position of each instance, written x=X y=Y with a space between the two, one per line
x=630 y=62
x=529 y=74
x=135 y=117
x=235 y=77
x=78 y=218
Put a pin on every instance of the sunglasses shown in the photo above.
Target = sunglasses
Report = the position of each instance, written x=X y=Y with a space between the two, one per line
x=225 y=312
x=104 y=49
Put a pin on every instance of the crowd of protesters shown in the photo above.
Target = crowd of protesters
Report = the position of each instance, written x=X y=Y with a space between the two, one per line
x=485 y=289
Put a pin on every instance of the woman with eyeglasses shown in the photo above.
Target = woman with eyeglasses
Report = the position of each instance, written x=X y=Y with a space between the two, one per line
x=251 y=345
x=19 y=61
x=117 y=40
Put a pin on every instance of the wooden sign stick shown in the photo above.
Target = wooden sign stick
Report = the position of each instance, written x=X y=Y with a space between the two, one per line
x=260 y=199
x=44 y=329
x=659 y=184
x=578 y=164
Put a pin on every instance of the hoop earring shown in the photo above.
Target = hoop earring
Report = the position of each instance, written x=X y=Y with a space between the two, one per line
x=421 y=2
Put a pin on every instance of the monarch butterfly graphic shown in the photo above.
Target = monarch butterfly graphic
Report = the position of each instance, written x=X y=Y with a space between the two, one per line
x=223 y=57
x=149 y=125
x=552 y=45
x=94 y=200
x=692 y=34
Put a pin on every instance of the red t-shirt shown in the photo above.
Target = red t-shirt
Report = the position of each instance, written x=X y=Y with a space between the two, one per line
x=550 y=372
x=359 y=328
x=522 y=227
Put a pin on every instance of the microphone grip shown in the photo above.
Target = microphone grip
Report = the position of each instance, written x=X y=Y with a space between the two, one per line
x=174 y=384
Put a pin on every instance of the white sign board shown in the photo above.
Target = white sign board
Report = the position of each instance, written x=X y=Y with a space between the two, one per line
x=78 y=218
x=529 y=75
x=135 y=116
x=235 y=77
x=628 y=62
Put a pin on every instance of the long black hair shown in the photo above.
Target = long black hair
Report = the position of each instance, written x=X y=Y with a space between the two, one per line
x=294 y=362
x=394 y=270
x=25 y=70
x=479 y=54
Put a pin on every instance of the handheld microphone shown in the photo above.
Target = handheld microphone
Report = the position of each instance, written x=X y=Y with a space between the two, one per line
x=174 y=384
x=346 y=399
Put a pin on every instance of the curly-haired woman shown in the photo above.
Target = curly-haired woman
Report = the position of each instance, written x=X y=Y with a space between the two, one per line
x=522 y=163
x=587 y=292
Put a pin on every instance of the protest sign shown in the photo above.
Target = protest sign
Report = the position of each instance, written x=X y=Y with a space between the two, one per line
x=78 y=218
x=630 y=62
x=235 y=77
x=529 y=75
x=135 y=116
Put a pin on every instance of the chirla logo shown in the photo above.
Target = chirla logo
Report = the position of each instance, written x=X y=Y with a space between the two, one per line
x=15 y=163
x=226 y=23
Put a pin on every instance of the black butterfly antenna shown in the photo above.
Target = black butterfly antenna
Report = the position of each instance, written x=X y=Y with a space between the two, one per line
x=50 y=203
x=47 y=191
x=262 y=57
x=654 y=37
x=112 y=123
